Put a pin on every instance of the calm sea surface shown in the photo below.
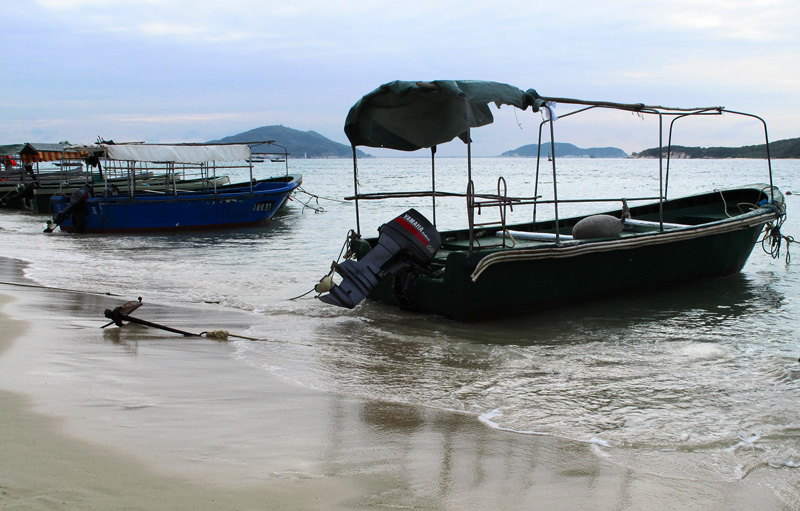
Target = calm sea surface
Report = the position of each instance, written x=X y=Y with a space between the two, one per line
x=707 y=370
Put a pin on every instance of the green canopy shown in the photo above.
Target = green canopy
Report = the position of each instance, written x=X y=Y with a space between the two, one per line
x=11 y=149
x=412 y=115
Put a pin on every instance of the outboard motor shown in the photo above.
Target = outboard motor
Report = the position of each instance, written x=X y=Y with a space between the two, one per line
x=408 y=240
x=76 y=202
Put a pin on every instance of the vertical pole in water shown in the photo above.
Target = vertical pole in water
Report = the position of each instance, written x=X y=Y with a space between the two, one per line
x=355 y=188
x=433 y=181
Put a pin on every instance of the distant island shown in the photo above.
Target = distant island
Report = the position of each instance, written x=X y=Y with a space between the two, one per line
x=789 y=148
x=564 y=150
x=300 y=144
x=310 y=144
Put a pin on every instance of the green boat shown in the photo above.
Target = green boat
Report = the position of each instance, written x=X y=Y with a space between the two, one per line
x=493 y=269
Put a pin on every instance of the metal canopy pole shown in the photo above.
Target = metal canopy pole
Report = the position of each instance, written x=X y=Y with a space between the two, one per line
x=538 y=162
x=661 y=170
x=470 y=185
x=766 y=140
x=553 y=158
x=355 y=188
x=433 y=182
x=251 y=174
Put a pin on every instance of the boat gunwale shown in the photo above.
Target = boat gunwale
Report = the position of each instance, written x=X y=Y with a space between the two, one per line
x=572 y=248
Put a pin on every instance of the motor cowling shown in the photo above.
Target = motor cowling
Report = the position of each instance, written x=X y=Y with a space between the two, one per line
x=407 y=241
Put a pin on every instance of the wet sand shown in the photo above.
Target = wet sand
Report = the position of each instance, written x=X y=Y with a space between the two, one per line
x=134 y=418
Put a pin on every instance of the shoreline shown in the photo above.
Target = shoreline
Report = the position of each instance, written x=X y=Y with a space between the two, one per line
x=137 y=419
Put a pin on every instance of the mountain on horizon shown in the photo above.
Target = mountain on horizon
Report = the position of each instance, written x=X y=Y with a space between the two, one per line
x=787 y=148
x=300 y=144
x=564 y=150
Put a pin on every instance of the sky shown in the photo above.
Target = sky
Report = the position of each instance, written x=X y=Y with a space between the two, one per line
x=197 y=70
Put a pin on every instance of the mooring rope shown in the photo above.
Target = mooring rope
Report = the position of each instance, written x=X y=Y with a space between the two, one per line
x=724 y=202
x=3 y=198
x=773 y=239
x=316 y=199
x=50 y=288
x=326 y=282
x=222 y=335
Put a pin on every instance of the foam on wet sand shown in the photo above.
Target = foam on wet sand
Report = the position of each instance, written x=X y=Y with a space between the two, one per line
x=137 y=419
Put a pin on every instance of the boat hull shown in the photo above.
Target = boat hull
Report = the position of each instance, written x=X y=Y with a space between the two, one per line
x=231 y=206
x=484 y=284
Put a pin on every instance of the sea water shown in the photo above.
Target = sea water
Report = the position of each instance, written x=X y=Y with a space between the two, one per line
x=706 y=370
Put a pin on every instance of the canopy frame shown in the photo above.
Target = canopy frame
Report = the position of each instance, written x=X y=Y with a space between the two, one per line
x=369 y=125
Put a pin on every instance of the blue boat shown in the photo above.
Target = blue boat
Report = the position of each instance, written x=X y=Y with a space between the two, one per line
x=145 y=207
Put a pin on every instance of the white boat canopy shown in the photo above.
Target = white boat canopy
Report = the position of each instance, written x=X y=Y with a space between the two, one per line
x=188 y=153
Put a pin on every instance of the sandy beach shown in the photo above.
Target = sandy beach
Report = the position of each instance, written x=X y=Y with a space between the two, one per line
x=136 y=418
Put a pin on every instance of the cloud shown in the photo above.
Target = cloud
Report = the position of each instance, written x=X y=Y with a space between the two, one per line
x=754 y=20
x=167 y=64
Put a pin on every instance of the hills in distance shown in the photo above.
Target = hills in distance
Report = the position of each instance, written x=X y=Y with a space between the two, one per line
x=788 y=148
x=564 y=150
x=300 y=144
x=310 y=144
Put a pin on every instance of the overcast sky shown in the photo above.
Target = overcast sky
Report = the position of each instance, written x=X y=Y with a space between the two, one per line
x=197 y=70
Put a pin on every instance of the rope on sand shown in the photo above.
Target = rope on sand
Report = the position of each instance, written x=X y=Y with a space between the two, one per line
x=122 y=313
x=50 y=288
x=222 y=335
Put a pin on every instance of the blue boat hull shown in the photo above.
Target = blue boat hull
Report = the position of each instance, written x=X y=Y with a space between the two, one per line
x=231 y=206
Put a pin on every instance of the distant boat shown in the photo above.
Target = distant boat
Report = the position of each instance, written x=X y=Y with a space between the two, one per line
x=69 y=165
x=490 y=268
x=170 y=207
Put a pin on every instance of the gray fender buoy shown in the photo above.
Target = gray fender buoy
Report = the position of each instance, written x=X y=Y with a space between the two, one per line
x=597 y=226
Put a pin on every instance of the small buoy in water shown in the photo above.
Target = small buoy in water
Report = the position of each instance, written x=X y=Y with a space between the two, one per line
x=324 y=285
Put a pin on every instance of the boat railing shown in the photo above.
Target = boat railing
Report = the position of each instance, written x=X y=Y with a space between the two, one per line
x=495 y=200
x=664 y=150
x=168 y=176
x=499 y=201
x=408 y=195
